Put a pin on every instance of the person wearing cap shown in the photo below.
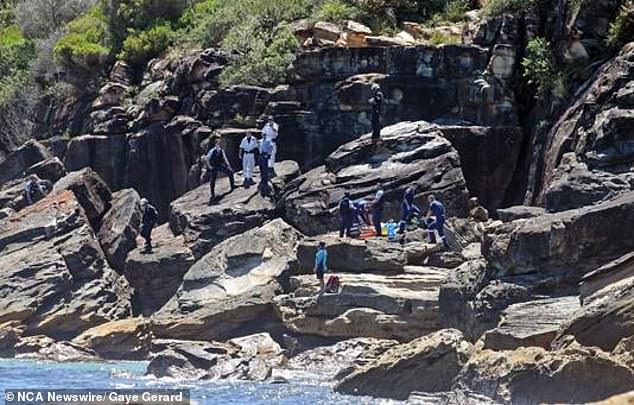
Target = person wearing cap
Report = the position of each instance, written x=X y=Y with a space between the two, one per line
x=271 y=129
x=150 y=217
x=248 y=146
x=217 y=162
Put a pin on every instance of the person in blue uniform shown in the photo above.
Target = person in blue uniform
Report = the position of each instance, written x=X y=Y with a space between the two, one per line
x=435 y=220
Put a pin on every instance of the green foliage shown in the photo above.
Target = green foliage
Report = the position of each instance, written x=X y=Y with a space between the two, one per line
x=335 y=11
x=125 y=16
x=496 y=7
x=267 y=59
x=16 y=51
x=539 y=67
x=87 y=40
x=622 y=28
x=455 y=10
x=440 y=38
x=141 y=46
x=11 y=86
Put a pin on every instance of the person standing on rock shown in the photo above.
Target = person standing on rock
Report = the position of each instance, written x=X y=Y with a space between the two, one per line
x=437 y=211
x=408 y=208
x=248 y=146
x=321 y=266
x=376 y=102
x=149 y=219
x=271 y=130
x=266 y=148
x=217 y=162
x=346 y=211
x=377 y=209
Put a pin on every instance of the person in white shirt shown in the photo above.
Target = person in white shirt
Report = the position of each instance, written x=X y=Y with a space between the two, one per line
x=271 y=129
x=248 y=146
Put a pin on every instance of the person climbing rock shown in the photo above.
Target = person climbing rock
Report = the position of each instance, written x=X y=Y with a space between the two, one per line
x=321 y=266
x=377 y=209
x=248 y=147
x=346 y=212
x=477 y=213
x=437 y=223
x=36 y=189
x=217 y=162
x=271 y=129
x=149 y=219
x=266 y=148
x=408 y=209
x=376 y=102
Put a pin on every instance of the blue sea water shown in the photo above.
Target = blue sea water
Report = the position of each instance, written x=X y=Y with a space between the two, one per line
x=23 y=374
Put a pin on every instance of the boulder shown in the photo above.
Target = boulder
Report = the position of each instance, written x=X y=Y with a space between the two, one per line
x=427 y=364
x=10 y=334
x=532 y=323
x=230 y=291
x=43 y=348
x=563 y=376
x=55 y=277
x=354 y=255
x=18 y=161
x=326 y=31
x=519 y=212
x=120 y=227
x=411 y=153
x=246 y=358
x=335 y=360
x=554 y=251
x=449 y=398
x=157 y=276
x=92 y=193
x=204 y=225
x=607 y=279
x=127 y=339
x=399 y=307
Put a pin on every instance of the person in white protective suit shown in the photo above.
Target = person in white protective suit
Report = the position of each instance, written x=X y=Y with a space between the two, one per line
x=248 y=146
x=271 y=129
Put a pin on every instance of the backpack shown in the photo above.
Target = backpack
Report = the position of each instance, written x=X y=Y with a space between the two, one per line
x=333 y=285
x=216 y=159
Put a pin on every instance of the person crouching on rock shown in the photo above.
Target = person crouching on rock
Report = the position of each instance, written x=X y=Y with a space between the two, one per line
x=36 y=189
x=248 y=146
x=408 y=208
x=437 y=211
x=346 y=212
x=321 y=266
x=266 y=148
x=217 y=162
x=150 y=217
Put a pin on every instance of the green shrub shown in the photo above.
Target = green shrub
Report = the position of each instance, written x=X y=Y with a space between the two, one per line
x=16 y=51
x=87 y=41
x=622 y=28
x=539 y=66
x=141 y=46
x=455 y=10
x=11 y=86
x=335 y=11
x=266 y=61
x=440 y=38
x=496 y=7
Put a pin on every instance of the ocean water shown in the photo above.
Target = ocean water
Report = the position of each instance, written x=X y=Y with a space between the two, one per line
x=22 y=374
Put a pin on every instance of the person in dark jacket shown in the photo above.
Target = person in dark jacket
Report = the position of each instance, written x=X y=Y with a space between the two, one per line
x=376 y=102
x=150 y=217
x=409 y=209
x=217 y=162
x=377 y=209
x=36 y=189
x=435 y=220
x=346 y=212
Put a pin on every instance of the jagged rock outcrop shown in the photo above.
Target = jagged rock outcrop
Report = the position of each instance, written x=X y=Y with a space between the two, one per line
x=412 y=153
x=92 y=193
x=18 y=161
x=586 y=157
x=55 y=277
x=120 y=227
x=554 y=251
x=427 y=364
x=156 y=276
x=532 y=323
x=204 y=225
x=43 y=348
x=534 y=375
x=247 y=358
x=399 y=307
x=128 y=339
x=231 y=289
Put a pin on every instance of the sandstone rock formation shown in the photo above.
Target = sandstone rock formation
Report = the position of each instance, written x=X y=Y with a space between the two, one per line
x=427 y=364
x=120 y=227
x=128 y=339
x=412 y=153
x=231 y=287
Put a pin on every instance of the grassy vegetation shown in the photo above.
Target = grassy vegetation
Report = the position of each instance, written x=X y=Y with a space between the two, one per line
x=87 y=41
x=622 y=28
